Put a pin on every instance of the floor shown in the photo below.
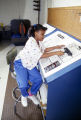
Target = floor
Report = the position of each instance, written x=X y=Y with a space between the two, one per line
x=31 y=112
x=4 y=70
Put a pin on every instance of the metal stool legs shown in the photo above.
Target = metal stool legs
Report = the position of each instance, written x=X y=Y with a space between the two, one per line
x=17 y=99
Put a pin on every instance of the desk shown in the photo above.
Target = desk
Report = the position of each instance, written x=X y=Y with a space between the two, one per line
x=64 y=87
x=64 y=96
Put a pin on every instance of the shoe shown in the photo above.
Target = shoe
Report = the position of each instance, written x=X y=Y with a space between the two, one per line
x=24 y=101
x=34 y=99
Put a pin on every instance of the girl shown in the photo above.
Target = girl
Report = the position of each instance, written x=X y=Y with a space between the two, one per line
x=27 y=75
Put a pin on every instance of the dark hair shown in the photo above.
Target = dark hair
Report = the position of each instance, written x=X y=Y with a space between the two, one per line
x=35 y=28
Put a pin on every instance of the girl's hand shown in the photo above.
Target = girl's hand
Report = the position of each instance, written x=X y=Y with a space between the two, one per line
x=59 y=46
x=59 y=53
x=45 y=54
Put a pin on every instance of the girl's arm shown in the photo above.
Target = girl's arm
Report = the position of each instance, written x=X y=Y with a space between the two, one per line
x=45 y=54
x=54 y=47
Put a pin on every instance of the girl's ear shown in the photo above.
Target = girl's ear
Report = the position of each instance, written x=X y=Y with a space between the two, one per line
x=35 y=34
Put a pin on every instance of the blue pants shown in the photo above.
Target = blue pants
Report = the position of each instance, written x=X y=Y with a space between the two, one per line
x=23 y=75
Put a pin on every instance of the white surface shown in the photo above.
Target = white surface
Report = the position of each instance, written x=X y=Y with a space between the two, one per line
x=64 y=60
x=50 y=2
x=49 y=28
x=65 y=3
x=4 y=70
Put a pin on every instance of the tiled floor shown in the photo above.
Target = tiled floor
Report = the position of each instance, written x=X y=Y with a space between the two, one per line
x=4 y=70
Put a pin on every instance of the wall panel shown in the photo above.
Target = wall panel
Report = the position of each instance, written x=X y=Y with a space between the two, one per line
x=67 y=19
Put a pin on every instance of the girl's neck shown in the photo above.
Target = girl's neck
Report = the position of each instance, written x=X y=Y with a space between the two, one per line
x=37 y=40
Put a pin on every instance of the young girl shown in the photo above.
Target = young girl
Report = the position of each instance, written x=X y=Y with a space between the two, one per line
x=27 y=75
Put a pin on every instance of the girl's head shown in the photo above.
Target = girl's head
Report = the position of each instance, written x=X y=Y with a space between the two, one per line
x=37 y=31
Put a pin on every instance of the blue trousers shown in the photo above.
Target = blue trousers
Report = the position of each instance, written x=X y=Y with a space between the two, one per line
x=23 y=75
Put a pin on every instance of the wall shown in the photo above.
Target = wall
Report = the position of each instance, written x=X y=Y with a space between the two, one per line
x=67 y=19
x=11 y=9
x=43 y=11
x=45 y=4
x=65 y=3
x=50 y=3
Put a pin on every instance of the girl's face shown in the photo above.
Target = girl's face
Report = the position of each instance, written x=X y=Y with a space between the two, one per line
x=39 y=35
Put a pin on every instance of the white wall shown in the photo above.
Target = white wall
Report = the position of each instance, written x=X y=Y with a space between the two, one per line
x=45 y=4
x=8 y=10
x=65 y=3
x=12 y=9
x=50 y=3
x=43 y=12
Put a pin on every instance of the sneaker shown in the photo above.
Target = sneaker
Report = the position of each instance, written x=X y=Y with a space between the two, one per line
x=34 y=99
x=24 y=101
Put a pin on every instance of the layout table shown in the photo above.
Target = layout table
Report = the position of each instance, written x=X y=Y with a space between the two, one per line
x=63 y=77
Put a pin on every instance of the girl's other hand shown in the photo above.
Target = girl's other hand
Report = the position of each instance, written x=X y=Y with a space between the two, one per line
x=59 y=53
